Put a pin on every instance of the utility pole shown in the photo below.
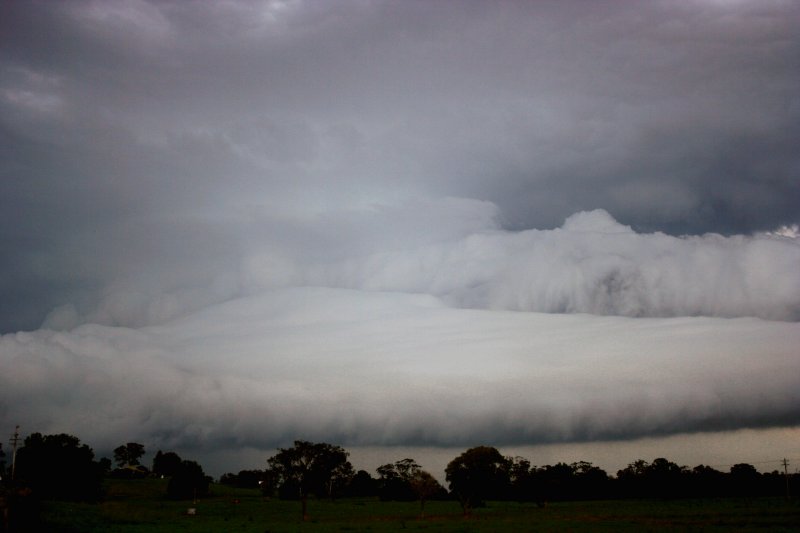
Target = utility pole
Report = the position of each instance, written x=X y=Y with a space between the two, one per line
x=14 y=441
x=786 y=475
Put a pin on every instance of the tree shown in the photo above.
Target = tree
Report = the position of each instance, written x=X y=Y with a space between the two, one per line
x=634 y=469
x=707 y=481
x=744 y=480
x=188 y=482
x=590 y=481
x=404 y=480
x=666 y=479
x=631 y=479
x=425 y=487
x=245 y=479
x=166 y=464
x=555 y=482
x=523 y=485
x=362 y=485
x=308 y=468
x=394 y=481
x=661 y=478
x=128 y=454
x=59 y=467
x=105 y=465
x=477 y=474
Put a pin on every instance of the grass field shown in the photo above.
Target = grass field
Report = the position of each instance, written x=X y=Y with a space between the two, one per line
x=140 y=506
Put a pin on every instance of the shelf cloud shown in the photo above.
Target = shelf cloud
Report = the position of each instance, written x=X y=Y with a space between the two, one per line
x=381 y=368
x=228 y=225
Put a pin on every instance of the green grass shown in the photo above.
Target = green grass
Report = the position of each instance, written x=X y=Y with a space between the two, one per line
x=140 y=506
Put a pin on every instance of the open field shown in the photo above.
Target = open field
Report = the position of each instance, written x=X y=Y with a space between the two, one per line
x=140 y=506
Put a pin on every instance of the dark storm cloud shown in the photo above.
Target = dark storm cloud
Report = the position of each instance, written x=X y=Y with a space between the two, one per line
x=124 y=123
x=198 y=173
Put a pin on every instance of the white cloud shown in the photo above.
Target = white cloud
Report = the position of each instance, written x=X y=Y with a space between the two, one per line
x=591 y=265
x=791 y=231
x=453 y=249
x=377 y=368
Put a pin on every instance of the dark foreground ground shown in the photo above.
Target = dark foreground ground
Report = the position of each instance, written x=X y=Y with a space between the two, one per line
x=140 y=506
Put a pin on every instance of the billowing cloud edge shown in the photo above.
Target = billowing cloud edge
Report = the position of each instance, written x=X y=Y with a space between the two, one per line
x=591 y=264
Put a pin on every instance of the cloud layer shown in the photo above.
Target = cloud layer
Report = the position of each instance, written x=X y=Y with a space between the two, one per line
x=378 y=368
x=227 y=225
x=154 y=146
x=592 y=264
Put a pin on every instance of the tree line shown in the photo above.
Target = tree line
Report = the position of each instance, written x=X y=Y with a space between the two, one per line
x=482 y=474
x=61 y=467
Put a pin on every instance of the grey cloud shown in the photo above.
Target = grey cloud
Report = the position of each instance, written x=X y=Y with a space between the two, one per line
x=453 y=249
x=126 y=122
x=316 y=219
x=389 y=369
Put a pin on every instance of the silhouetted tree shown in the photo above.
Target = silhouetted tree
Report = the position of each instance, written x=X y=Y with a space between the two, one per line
x=59 y=467
x=661 y=478
x=556 y=482
x=665 y=479
x=477 y=474
x=245 y=479
x=590 y=482
x=631 y=479
x=706 y=481
x=128 y=454
x=105 y=465
x=521 y=480
x=309 y=468
x=166 y=464
x=744 y=480
x=394 y=480
x=634 y=469
x=562 y=481
x=425 y=487
x=362 y=485
x=188 y=482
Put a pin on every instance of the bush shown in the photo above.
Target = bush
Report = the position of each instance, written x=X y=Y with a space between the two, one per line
x=59 y=467
x=188 y=482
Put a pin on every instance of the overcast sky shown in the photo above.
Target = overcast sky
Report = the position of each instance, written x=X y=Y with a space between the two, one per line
x=233 y=224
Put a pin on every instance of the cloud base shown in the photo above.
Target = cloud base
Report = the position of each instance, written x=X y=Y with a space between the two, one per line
x=380 y=368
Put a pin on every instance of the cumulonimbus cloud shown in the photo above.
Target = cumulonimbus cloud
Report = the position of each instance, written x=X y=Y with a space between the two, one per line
x=472 y=334
x=591 y=264
x=130 y=203
x=344 y=221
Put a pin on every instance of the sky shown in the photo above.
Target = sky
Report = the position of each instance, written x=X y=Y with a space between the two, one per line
x=403 y=227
